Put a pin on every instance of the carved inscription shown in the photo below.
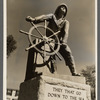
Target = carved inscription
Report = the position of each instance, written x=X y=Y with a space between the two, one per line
x=53 y=92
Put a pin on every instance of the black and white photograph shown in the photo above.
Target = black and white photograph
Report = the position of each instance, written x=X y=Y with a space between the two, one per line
x=51 y=50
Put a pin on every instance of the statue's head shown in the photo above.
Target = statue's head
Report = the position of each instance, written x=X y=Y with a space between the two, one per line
x=62 y=8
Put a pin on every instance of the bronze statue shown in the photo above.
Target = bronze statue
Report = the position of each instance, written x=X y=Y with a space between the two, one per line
x=56 y=29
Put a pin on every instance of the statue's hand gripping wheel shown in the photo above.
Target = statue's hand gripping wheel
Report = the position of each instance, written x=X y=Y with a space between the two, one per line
x=46 y=45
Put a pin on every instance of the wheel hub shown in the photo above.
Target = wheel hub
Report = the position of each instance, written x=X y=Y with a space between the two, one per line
x=45 y=38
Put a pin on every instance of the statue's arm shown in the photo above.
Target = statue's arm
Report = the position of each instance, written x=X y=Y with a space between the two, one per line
x=39 y=18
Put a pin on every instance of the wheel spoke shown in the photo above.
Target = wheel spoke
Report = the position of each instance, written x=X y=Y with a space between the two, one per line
x=30 y=34
x=32 y=46
x=44 y=52
x=35 y=55
x=45 y=25
x=37 y=29
x=53 y=34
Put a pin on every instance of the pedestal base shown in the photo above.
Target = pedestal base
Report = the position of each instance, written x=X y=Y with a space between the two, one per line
x=49 y=88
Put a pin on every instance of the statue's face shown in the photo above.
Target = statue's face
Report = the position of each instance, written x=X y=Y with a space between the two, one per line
x=62 y=10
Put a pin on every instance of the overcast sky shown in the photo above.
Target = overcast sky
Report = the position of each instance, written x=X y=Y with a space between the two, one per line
x=81 y=15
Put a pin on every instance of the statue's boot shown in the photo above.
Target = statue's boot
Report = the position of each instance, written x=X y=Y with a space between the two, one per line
x=53 y=67
x=73 y=71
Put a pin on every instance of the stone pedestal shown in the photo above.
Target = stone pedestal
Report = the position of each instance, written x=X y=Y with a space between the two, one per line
x=56 y=87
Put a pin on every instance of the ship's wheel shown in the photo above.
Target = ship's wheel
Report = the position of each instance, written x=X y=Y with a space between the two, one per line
x=45 y=45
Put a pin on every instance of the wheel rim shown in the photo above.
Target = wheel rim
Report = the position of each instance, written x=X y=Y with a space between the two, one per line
x=40 y=50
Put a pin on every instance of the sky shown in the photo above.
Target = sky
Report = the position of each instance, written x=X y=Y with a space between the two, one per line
x=81 y=40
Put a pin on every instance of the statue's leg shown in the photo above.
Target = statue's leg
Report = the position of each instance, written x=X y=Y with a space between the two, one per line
x=53 y=64
x=69 y=60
